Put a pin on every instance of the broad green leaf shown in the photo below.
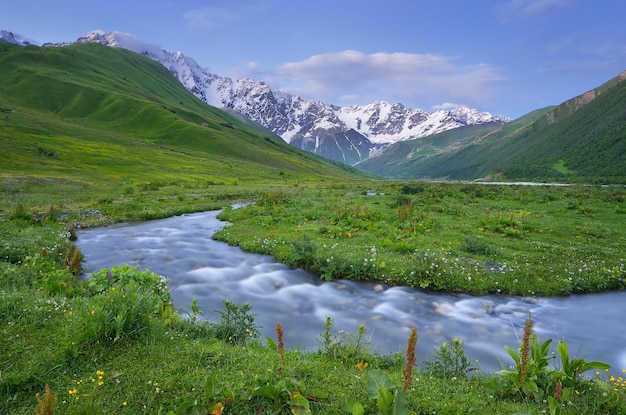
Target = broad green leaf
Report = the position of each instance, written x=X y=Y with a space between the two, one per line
x=377 y=380
x=384 y=402
x=514 y=355
x=594 y=365
x=357 y=409
x=267 y=391
x=563 y=351
x=212 y=389
x=299 y=405
x=400 y=404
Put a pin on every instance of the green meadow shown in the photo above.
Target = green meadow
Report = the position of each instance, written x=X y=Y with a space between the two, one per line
x=472 y=238
x=91 y=136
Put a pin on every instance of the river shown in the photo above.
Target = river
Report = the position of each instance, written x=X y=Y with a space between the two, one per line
x=181 y=249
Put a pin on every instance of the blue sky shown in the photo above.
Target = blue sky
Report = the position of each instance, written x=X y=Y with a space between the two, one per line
x=507 y=57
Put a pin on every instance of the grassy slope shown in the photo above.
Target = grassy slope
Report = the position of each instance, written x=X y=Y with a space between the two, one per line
x=409 y=159
x=88 y=116
x=576 y=141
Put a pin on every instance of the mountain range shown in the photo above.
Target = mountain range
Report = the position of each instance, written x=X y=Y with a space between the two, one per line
x=348 y=134
x=85 y=118
x=580 y=140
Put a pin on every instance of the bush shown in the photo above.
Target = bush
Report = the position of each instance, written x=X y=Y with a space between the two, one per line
x=119 y=277
x=474 y=245
x=116 y=314
x=123 y=300
x=237 y=324
x=304 y=252
x=450 y=361
x=344 y=345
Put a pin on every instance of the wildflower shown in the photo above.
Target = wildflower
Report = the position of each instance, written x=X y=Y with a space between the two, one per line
x=217 y=409
x=528 y=329
x=557 y=391
x=281 y=344
x=407 y=372
x=124 y=403
x=361 y=365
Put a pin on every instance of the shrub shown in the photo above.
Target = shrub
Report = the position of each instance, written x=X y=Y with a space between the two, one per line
x=450 y=361
x=115 y=314
x=236 y=325
x=474 y=245
x=125 y=275
x=343 y=345
x=412 y=189
x=533 y=378
x=304 y=252
x=122 y=301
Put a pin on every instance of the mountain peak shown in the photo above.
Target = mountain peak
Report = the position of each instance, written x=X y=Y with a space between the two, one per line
x=359 y=129
x=9 y=37
x=119 y=40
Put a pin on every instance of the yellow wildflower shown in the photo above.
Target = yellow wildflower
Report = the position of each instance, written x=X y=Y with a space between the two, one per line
x=217 y=409
x=361 y=365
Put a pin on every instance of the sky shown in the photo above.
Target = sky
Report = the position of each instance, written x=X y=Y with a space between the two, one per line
x=506 y=57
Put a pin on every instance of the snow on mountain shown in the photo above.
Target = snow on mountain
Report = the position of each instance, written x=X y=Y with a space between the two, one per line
x=348 y=134
x=9 y=37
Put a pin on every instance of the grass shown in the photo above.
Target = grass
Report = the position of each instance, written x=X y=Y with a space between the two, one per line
x=47 y=342
x=477 y=239
x=99 y=356
x=112 y=124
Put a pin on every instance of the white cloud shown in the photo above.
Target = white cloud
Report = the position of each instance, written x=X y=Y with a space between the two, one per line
x=130 y=42
x=353 y=77
x=526 y=8
x=209 y=17
x=446 y=106
x=212 y=17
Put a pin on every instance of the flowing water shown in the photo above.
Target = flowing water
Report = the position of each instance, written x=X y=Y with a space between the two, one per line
x=181 y=249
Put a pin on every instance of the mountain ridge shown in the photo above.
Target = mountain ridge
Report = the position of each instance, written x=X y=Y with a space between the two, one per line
x=583 y=139
x=311 y=125
x=87 y=115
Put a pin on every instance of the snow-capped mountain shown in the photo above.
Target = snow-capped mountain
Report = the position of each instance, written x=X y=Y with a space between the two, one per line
x=343 y=133
x=9 y=37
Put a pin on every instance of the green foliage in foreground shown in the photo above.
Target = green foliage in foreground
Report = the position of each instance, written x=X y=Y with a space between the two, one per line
x=114 y=344
x=472 y=238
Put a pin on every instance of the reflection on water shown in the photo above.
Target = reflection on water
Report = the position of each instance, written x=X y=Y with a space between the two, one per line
x=181 y=249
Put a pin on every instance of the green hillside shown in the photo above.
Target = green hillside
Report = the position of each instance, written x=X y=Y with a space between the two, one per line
x=581 y=140
x=83 y=117
x=409 y=159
